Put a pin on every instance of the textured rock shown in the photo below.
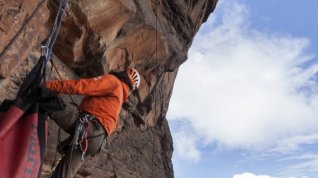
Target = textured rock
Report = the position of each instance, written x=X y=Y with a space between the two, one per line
x=98 y=36
x=21 y=30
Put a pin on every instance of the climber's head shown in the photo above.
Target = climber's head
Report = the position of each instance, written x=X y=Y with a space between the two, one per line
x=134 y=77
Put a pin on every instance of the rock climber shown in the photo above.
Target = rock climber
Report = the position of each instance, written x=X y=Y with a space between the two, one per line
x=99 y=111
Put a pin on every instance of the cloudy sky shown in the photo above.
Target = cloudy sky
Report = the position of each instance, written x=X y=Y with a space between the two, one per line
x=245 y=104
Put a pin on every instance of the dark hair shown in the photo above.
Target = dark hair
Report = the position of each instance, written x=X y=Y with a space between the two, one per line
x=122 y=75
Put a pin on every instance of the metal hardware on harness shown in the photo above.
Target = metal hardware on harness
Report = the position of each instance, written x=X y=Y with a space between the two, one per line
x=80 y=137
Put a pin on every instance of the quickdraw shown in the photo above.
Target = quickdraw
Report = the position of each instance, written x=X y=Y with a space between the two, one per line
x=80 y=137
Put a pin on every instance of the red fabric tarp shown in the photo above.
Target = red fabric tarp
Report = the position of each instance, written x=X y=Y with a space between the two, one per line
x=23 y=127
x=20 y=146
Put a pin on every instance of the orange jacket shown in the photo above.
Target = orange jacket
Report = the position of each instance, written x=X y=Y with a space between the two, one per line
x=104 y=96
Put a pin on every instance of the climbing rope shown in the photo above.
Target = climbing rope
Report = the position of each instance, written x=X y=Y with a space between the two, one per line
x=46 y=51
x=47 y=48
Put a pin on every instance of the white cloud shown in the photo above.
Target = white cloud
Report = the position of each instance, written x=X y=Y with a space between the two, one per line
x=185 y=146
x=292 y=156
x=304 y=156
x=244 y=88
x=311 y=165
x=251 y=175
x=305 y=162
x=292 y=144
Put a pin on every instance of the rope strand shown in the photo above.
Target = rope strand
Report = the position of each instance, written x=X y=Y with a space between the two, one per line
x=47 y=48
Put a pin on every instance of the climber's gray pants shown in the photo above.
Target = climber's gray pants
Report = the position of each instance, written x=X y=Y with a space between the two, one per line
x=72 y=160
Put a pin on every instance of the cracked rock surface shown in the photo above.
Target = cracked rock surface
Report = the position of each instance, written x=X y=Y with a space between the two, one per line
x=97 y=36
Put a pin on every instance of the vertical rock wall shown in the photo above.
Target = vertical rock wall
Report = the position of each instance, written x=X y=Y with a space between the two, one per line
x=98 y=36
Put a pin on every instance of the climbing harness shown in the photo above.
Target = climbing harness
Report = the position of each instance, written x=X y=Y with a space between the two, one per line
x=80 y=136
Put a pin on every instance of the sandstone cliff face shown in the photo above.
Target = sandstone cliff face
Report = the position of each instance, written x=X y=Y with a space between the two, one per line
x=98 y=36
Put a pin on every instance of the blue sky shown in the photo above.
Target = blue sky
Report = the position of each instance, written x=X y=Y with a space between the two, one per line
x=251 y=108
